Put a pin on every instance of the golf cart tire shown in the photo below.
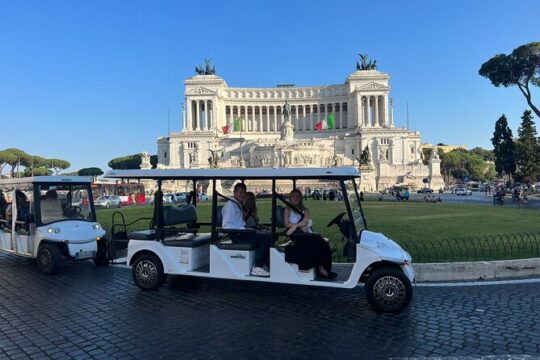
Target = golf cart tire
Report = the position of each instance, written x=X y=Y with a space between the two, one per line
x=48 y=258
x=388 y=289
x=147 y=271
x=101 y=258
x=107 y=205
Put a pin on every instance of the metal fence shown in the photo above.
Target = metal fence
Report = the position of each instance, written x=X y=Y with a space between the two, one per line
x=475 y=248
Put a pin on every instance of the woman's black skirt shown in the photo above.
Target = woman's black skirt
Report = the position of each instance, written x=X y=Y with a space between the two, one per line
x=308 y=251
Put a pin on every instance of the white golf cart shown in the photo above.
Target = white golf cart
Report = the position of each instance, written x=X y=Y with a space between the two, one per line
x=48 y=218
x=176 y=243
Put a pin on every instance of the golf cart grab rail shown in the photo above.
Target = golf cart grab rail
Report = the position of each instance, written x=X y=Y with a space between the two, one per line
x=338 y=173
x=47 y=179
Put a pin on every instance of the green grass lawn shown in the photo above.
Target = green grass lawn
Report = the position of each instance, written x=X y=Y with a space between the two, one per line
x=436 y=228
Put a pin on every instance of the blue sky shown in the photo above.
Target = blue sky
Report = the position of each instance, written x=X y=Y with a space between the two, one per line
x=89 y=81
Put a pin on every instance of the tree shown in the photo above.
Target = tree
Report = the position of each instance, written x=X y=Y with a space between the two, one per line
x=93 y=172
x=528 y=157
x=6 y=158
x=130 y=162
x=39 y=171
x=153 y=161
x=487 y=155
x=57 y=164
x=126 y=162
x=19 y=158
x=520 y=68
x=503 y=148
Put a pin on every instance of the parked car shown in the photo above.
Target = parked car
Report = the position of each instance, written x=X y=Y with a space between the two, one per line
x=202 y=197
x=463 y=191
x=181 y=196
x=170 y=199
x=108 y=201
x=425 y=191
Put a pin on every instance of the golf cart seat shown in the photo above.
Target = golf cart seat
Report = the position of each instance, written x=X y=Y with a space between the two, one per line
x=228 y=244
x=219 y=216
x=280 y=216
x=188 y=240
x=175 y=215
x=143 y=235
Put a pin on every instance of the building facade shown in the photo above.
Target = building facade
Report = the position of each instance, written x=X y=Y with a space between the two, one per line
x=271 y=137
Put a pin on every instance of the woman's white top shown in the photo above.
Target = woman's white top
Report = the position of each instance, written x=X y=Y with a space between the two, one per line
x=294 y=218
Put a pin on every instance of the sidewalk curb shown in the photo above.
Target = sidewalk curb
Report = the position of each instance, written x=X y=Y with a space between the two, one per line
x=477 y=270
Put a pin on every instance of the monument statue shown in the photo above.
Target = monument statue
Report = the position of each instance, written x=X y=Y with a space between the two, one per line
x=206 y=70
x=286 y=111
x=213 y=160
x=145 y=160
x=434 y=154
x=365 y=158
x=365 y=65
x=287 y=129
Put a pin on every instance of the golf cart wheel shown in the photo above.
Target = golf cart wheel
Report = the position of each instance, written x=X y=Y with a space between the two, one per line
x=48 y=258
x=101 y=258
x=107 y=205
x=388 y=290
x=147 y=272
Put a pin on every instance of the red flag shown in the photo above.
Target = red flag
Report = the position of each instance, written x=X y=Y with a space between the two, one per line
x=319 y=125
x=226 y=129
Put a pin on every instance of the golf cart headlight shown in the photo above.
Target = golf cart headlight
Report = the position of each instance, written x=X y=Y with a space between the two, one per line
x=53 y=230
x=96 y=226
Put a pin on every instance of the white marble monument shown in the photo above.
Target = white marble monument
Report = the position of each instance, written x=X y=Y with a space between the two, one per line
x=278 y=129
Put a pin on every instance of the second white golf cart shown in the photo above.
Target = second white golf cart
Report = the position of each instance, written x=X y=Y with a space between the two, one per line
x=50 y=218
x=176 y=243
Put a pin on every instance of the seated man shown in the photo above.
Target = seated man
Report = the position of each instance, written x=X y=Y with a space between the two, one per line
x=233 y=218
x=51 y=208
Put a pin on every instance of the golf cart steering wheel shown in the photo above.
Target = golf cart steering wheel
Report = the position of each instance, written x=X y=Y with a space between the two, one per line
x=337 y=219
x=71 y=211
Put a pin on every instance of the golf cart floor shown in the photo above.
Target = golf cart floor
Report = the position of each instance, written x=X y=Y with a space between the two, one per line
x=343 y=271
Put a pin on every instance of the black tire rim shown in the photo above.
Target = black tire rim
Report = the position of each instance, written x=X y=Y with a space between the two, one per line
x=45 y=257
x=146 y=273
x=389 y=291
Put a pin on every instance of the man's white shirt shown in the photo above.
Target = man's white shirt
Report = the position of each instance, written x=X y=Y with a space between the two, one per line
x=233 y=218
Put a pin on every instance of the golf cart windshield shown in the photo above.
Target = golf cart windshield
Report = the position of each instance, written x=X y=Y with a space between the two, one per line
x=60 y=202
x=356 y=206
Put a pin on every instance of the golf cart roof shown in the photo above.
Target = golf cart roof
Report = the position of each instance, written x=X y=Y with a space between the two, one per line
x=46 y=179
x=341 y=173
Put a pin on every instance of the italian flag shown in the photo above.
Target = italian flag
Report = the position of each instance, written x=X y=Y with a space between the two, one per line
x=327 y=123
x=234 y=127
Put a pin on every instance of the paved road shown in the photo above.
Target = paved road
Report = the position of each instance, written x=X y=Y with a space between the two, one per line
x=477 y=198
x=88 y=312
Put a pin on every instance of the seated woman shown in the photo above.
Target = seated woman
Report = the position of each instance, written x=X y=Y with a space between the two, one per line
x=306 y=251
x=250 y=211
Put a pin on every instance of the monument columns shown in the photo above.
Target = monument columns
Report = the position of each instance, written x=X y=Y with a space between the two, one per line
x=275 y=118
x=341 y=115
x=359 y=117
x=385 y=112
x=199 y=115
x=391 y=113
x=187 y=124
x=206 y=117
x=296 y=122
x=377 y=120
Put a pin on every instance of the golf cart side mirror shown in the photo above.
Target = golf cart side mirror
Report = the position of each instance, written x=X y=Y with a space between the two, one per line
x=29 y=218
